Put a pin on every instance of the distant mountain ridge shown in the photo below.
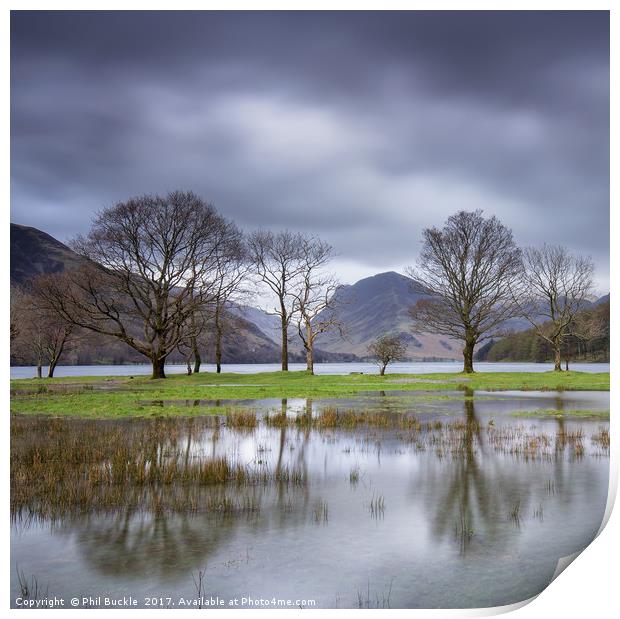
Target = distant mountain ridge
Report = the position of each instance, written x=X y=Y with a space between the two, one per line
x=269 y=324
x=380 y=305
x=371 y=307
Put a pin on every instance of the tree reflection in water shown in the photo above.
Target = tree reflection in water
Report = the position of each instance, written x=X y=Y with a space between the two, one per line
x=471 y=493
x=152 y=517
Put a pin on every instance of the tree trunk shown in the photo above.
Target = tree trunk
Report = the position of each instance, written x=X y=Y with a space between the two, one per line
x=52 y=367
x=284 y=344
x=382 y=369
x=39 y=370
x=309 y=349
x=56 y=358
x=218 y=340
x=468 y=356
x=281 y=450
x=158 y=367
x=196 y=353
x=309 y=361
x=218 y=351
x=194 y=345
x=557 y=366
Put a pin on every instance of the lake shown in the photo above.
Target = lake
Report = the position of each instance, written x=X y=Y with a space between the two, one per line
x=422 y=367
x=386 y=499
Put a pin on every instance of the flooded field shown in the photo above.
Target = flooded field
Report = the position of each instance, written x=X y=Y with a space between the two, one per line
x=396 y=499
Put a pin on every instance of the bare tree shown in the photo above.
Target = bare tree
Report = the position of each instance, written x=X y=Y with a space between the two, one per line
x=468 y=269
x=15 y=305
x=233 y=269
x=588 y=325
x=555 y=286
x=148 y=272
x=186 y=350
x=197 y=332
x=43 y=336
x=314 y=302
x=592 y=326
x=230 y=267
x=386 y=349
x=277 y=262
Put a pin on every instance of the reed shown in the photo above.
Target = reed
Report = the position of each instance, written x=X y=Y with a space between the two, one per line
x=463 y=531
x=59 y=468
x=377 y=506
x=242 y=419
x=601 y=438
x=320 y=512
x=515 y=513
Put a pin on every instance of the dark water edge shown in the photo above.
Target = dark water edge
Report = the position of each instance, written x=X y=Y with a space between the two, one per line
x=450 y=503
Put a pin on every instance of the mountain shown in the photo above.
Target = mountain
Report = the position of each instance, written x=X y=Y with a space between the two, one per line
x=603 y=299
x=371 y=307
x=34 y=252
x=518 y=323
x=380 y=305
x=269 y=324
x=253 y=336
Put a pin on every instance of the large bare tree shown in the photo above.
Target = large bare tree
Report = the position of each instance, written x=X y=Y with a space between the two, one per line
x=314 y=300
x=148 y=270
x=468 y=269
x=555 y=286
x=276 y=260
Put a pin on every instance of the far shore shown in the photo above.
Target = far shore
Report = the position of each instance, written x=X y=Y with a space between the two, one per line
x=331 y=367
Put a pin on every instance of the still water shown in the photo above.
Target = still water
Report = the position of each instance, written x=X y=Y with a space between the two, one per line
x=380 y=500
x=421 y=367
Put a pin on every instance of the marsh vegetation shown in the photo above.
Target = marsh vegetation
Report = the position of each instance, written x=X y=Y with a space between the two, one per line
x=442 y=482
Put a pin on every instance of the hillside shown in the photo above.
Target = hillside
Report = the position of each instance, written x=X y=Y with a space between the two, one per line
x=527 y=346
x=252 y=338
x=380 y=305
x=268 y=324
x=34 y=252
x=371 y=307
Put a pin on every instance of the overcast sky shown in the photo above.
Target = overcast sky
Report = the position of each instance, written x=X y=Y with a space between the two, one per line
x=363 y=128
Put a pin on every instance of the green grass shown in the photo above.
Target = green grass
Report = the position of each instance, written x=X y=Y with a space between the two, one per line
x=124 y=396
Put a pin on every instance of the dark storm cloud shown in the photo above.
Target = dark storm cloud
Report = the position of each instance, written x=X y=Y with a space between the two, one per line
x=360 y=127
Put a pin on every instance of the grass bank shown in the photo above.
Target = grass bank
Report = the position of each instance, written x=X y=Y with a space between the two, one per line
x=202 y=394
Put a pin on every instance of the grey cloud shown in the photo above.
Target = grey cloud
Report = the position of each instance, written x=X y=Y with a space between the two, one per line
x=360 y=127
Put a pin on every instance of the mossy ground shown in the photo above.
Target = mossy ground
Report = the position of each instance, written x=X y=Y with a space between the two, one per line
x=125 y=396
